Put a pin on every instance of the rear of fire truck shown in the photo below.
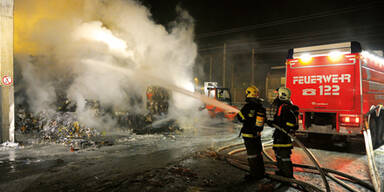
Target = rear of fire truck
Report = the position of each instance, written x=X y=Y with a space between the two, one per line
x=334 y=85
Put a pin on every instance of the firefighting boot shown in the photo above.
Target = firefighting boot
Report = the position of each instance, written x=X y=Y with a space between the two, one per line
x=278 y=165
x=286 y=169
x=256 y=166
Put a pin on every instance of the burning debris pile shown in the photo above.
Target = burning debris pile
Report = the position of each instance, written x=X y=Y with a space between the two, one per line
x=156 y=119
x=80 y=49
x=63 y=125
x=146 y=124
x=59 y=127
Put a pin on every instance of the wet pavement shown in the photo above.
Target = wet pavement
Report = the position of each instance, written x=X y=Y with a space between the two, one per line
x=54 y=167
x=161 y=162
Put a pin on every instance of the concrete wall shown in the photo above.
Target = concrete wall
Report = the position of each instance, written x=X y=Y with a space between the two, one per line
x=6 y=68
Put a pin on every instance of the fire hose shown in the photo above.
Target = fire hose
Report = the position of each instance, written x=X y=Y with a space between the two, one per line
x=241 y=164
x=340 y=175
x=309 y=154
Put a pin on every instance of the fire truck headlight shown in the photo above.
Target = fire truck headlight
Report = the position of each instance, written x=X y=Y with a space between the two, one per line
x=306 y=58
x=335 y=56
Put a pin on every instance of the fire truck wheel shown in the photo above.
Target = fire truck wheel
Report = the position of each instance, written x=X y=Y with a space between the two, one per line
x=373 y=127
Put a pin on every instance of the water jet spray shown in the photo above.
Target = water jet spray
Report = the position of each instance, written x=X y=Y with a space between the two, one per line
x=150 y=79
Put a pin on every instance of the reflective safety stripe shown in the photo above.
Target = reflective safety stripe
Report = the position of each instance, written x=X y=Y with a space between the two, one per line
x=279 y=112
x=285 y=159
x=259 y=124
x=252 y=156
x=260 y=113
x=282 y=145
x=247 y=135
x=241 y=115
x=259 y=121
x=290 y=124
x=250 y=135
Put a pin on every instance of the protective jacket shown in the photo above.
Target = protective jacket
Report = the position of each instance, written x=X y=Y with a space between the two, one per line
x=252 y=115
x=286 y=117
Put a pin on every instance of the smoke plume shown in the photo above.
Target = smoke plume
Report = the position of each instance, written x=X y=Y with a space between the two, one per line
x=61 y=47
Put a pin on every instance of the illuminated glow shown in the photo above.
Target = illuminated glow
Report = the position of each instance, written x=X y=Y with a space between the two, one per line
x=189 y=86
x=94 y=31
x=179 y=98
x=306 y=58
x=335 y=56
x=29 y=16
x=376 y=59
x=108 y=38
x=350 y=119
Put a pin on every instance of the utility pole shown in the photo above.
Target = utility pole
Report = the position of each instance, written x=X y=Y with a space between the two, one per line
x=6 y=70
x=210 y=68
x=253 y=67
x=224 y=62
x=232 y=68
x=232 y=77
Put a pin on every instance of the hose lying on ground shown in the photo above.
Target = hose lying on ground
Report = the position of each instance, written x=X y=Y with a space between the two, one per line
x=238 y=163
x=337 y=180
x=272 y=161
x=241 y=166
x=349 y=177
x=233 y=159
x=309 y=154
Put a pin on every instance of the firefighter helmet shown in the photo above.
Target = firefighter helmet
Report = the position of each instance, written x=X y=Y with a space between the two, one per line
x=252 y=92
x=284 y=94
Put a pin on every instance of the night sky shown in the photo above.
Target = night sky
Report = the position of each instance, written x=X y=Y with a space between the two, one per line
x=271 y=28
x=226 y=20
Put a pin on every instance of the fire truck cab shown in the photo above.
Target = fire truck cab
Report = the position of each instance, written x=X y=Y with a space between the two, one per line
x=335 y=85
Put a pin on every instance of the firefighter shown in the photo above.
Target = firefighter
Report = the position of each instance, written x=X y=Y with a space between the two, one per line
x=252 y=115
x=285 y=117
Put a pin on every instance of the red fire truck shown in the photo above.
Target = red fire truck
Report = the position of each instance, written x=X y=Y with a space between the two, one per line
x=335 y=85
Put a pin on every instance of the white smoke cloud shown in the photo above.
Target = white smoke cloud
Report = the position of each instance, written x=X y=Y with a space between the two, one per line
x=73 y=49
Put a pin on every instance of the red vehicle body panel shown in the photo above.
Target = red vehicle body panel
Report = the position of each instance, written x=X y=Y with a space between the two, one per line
x=215 y=111
x=348 y=86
